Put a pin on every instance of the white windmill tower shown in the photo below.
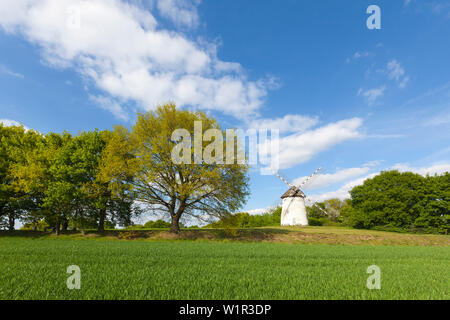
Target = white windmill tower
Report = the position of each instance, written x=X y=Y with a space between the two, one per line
x=293 y=209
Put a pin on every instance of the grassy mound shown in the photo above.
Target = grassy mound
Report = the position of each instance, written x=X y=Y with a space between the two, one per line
x=309 y=235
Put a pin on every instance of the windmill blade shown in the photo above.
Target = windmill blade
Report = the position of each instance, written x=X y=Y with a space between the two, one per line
x=317 y=206
x=316 y=172
x=282 y=179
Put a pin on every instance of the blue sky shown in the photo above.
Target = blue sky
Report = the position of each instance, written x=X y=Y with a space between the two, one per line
x=351 y=100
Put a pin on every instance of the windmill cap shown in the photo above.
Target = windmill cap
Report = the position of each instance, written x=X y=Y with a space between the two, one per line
x=293 y=192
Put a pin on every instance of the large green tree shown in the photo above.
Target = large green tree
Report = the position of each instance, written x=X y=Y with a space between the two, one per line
x=66 y=174
x=49 y=172
x=15 y=143
x=401 y=200
x=103 y=198
x=200 y=188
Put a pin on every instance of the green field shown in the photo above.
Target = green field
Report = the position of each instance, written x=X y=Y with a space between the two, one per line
x=35 y=268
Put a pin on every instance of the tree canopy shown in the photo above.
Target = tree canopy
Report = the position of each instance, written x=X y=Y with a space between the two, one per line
x=404 y=200
x=105 y=177
x=195 y=187
x=58 y=178
x=15 y=144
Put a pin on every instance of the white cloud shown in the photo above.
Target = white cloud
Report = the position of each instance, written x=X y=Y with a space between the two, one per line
x=288 y=123
x=324 y=180
x=110 y=105
x=260 y=211
x=358 y=54
x=441 y=8
x=396 y=72
x=12 y=123
x=432 y=170
x=385 y=136
x=7 y=71
x=300 y=147
x=343 y=192
x=373 y=163
x=121 y=48
x=403 y=83
x=372 y=95
x=394 y=69
x=442 y=119
x=180 y=12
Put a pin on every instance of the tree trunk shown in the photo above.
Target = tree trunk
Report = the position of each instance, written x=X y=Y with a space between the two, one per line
x=101 y=221
x=175 y=226
x=1 y=209
x=57 y=228
x=11 y=221
x=65 y=225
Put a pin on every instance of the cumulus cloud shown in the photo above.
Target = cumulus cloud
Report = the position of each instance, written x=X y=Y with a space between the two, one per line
x=324 y=180
x=120 y=47
x=431 y=170
x=110 y=105
x=288 y=123
x=300 y=147
x=12 y=123
x=260 y=211
x=343 y=191
x=182 y=13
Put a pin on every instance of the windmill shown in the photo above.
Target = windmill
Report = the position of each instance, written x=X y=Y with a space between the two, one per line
x=293 y=209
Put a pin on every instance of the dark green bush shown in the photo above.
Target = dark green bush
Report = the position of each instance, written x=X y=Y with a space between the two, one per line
x=313 y=221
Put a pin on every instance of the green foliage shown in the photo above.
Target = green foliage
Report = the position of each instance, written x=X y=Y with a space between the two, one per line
x=96 y=176
x=36 y=225
x=15 y=145
x=158 y=224
x=245 y=220
x=328 y=212
x=195 y=189
x=61 y=178
x=406 y=201
x=314 y=221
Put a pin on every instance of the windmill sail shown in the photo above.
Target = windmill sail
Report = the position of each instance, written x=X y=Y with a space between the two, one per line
x=316 y=172
x=293 y=202
x=283 y=179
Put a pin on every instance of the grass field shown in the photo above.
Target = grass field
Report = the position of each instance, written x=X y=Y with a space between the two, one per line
x=35 y=268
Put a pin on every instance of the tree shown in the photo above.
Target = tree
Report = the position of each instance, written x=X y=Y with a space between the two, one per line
x=50 y=174
x=99 y=199
x=400 y=200
x=195 y=187
x=16 y=142
x=435 y=213
x=65 y=174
